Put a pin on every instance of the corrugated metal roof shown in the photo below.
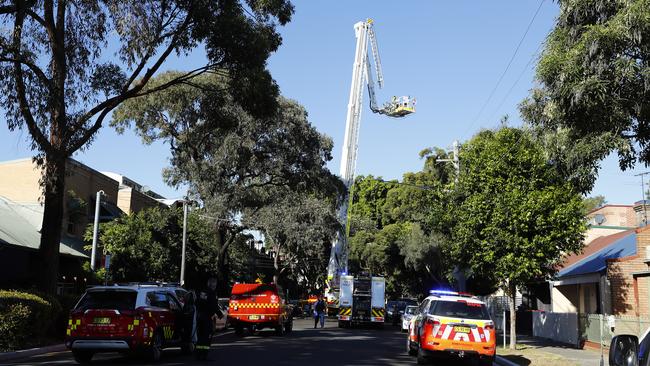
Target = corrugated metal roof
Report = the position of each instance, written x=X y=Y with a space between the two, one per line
x=20 y=226
x=623 y=246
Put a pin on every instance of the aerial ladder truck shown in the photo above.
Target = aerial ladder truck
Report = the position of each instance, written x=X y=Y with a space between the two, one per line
x=397 y=107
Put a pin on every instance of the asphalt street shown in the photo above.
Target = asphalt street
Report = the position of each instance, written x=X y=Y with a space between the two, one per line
x=329 y=346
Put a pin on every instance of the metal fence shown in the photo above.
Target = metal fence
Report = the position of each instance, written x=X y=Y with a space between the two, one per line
x=601 y=328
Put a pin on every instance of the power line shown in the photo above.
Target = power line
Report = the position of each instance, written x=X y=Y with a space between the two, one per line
x=521 y=74
x=514 y=54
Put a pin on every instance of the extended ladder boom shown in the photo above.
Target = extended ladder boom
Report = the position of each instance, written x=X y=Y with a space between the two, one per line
x=398 y=107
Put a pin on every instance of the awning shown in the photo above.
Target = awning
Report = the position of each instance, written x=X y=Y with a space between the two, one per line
x=623 y=246
x=17 y=228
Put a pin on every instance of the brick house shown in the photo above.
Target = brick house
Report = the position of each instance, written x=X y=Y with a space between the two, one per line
x=21 y=216
x=629 y=279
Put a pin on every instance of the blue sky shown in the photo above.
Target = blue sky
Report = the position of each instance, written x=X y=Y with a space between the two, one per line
x=448 y=54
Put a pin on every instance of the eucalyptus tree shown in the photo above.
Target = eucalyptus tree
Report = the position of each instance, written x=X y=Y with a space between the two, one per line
x=595 y=81
x=234 y=161
x=65 y=65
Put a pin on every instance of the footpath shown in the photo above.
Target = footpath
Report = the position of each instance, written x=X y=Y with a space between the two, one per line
x=536 y=351
x=16 y=355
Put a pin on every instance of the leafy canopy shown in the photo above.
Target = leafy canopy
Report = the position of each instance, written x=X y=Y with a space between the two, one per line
x=595 y=76
x=516 y=217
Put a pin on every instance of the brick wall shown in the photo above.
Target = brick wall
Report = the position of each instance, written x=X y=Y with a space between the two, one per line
x=630 y=296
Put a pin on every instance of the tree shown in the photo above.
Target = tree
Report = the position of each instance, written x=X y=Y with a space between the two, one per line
x=397 y=228
x=594 y=75
x=516 y=218
x=298 y=230
x=57 y=84
x=146 y=246
x=235 y=162
x=592 y=203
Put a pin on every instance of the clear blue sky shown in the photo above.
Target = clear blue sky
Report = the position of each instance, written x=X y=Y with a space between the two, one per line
x=448 y=54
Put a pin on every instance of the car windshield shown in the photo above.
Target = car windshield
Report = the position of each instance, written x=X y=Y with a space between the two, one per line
x=410 y=310
x=459 y=309
x=109 y=299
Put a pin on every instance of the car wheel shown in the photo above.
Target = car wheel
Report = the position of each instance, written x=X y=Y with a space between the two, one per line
x=187 y=348
x=279 y=330
x=82 y=357
x=239 y=330
x=289 y=326
x=487 y=361
x=421 y=357
x=155 y=351
x=410 y=349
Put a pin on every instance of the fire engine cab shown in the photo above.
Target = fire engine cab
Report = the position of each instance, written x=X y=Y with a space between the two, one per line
x=255 y=306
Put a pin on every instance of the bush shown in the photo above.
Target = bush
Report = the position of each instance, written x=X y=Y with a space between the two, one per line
x=25 y=319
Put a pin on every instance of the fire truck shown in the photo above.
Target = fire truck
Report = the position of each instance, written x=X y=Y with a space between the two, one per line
x=361 y=300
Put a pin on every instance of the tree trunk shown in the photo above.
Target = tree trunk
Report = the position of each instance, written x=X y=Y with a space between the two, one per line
x=223 y=287
x=54 y=187
x=513 y=316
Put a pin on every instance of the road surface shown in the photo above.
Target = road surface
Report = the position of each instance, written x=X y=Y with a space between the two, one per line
x=330 y=346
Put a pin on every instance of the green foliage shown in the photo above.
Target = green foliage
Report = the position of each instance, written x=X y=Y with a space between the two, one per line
x=146 y=246
x=592 y=203
x=595 y=74
x=299 y=229
x=396 y=228
x=24 y=319
x=242 y=167
x=516 y=218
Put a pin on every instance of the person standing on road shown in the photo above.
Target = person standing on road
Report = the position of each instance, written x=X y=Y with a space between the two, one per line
x=207 y=308
x=319 y=312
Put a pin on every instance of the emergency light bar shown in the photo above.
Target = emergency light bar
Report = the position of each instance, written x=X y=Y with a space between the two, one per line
x=450 y=293
x=443 y=292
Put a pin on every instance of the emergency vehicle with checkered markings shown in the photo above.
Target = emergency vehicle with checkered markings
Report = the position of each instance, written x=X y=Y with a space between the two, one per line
x=452 y=324
x=133 y=319
x=256 y=306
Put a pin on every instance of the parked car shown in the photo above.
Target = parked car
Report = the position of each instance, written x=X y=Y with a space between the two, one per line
x=142 y=319
x=409 y=313
x=628 y=350
x=395 y=309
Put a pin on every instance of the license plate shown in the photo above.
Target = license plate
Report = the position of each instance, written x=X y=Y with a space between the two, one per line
x=253 y=317
x=462 y=329
x=102 y=321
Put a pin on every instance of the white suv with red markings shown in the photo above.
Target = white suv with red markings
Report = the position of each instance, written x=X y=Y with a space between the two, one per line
x=452 y=324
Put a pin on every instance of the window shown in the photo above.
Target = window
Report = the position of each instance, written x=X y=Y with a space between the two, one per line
x=108 y=299
x=158 y=299
x=173 y=304
x=460 y=309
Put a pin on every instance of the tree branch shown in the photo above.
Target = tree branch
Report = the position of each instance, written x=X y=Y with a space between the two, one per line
x=33 y=128
x=109 y=104
x=35 y=69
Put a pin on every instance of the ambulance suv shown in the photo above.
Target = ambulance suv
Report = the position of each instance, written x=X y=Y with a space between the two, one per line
x=452 y=324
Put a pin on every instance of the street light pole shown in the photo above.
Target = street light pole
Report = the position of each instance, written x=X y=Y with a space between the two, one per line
x=185 y=208
x=93 y=253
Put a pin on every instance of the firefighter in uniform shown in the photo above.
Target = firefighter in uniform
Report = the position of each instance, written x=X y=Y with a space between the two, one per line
x=206 y=307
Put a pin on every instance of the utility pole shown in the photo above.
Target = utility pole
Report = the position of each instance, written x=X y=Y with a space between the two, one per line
x=454 y=160
x=185 y=209
x=643 y=200
x=93 y=253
